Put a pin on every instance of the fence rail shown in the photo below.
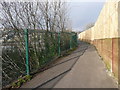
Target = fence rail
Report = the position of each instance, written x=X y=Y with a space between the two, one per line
x=41 y=48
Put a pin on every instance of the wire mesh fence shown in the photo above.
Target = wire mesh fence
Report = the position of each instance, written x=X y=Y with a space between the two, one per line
x=43 y=46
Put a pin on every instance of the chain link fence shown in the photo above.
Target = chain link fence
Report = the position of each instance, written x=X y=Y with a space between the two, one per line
x=43 y=47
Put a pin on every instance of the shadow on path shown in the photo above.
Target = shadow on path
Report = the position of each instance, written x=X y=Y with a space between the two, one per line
x=49 y=77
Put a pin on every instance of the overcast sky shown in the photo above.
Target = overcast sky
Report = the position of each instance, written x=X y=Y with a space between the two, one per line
x=83 y=13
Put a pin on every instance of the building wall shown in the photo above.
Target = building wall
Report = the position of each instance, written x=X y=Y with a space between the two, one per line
x=105 y=35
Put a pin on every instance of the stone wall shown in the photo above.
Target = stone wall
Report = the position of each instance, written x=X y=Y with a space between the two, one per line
x=105 y=35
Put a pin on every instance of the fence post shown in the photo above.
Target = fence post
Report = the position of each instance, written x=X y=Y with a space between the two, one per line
x=59 y=51
x=70 y=41
x=112 y=64
x=27 y=51
x=76 y=39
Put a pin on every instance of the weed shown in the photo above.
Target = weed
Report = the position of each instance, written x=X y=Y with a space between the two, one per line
x=20 y=81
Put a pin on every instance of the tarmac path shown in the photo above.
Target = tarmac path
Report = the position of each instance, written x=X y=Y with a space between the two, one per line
x=83 y=68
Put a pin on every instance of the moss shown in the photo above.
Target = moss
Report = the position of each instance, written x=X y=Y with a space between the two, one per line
x=115 y=74
x=108 y=66
x=20 y=81
x=28 y=77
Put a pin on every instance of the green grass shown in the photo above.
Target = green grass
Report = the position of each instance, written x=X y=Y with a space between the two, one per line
x=108 y=66
x=21 y=81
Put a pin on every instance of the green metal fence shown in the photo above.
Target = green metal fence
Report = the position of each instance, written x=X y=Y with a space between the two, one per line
x=26 y=51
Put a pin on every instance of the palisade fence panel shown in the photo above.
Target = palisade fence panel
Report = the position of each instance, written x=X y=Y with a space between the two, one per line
x=43 y=47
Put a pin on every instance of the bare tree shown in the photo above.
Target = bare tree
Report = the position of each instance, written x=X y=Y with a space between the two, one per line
x=89 y=26
x=36 y=17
